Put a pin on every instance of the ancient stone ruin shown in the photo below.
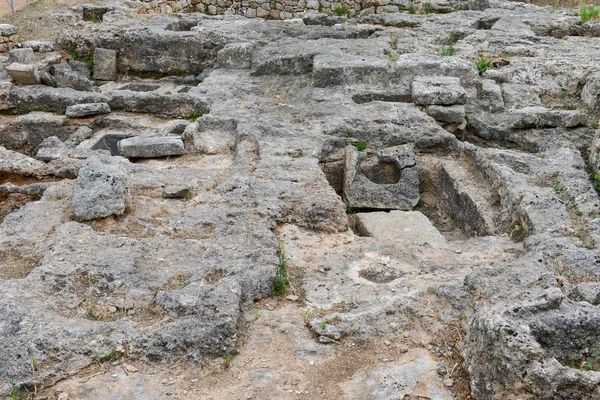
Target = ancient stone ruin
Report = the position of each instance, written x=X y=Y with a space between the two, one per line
x=301 y=200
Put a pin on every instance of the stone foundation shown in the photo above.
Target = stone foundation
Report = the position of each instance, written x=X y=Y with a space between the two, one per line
x=277 y=9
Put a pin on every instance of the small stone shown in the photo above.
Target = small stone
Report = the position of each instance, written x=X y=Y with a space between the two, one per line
x=403 y=349
x=176 y=192
x=311 y=363
x=292 y=297
x=458 y=251
x=448 y=382
x=387 y=342
x=63 y=396
x=130 y=368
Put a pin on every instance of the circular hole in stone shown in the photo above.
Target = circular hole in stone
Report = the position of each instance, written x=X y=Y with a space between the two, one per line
x=380 y=273
x=380 y=172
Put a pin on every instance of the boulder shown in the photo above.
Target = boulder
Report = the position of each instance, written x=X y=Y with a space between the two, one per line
x=102 y=188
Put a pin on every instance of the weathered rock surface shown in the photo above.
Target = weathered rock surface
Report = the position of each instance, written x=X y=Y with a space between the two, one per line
x=102 y=189
x=477 y=230
x=84 y=110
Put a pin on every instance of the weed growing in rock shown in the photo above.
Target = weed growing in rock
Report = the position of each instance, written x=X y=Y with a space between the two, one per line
x=94 y=18
x=281 y=282
x=228 y=357
x=595 y=178
x=306 y=316
x=194 y=116
x=185 y=284
x=256 y=312
x=341 y=11
x=320 y=8
x=558 y=187
x=360 y=145
x=411 y=9
x=86 y=58
x=426 y=9
x=594 y=125
x=588 y=12
x=394 y=42
x=448 y=50
x=109 y=356
x=323 y=324
x=391 y=57
x=562 y=93
x=541 y=155
x=349 y=209
x=483 y=64
x=569 y=106
x=14 y=391
x=589 y=363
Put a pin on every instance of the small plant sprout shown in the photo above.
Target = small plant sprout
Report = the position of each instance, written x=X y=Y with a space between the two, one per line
x=109 y=356
x=14 y=391
x=360 y=145
x=256 y=312
x=323 y=324
x=426 y=9
x=541 y=155
x=306 y=316
x=281 y=282
x=594 y=125
x=483 y=64
x=562 y=93
x=579 y=213
x=341 y=11
x=184 y=284
x=228 y=357
x=448 y=49
x=394 y=42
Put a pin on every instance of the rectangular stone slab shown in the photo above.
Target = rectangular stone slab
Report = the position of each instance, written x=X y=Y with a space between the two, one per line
x=150 y=147
x=409 y=227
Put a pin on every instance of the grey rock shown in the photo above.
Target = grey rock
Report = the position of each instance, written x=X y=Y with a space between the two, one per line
x=150 y=147
x=21 y=56
x=82 y=133
x=455 y=114
x=12 y=162
x=36 y=45
x=25 y=132
x=8 y=30
x=386 y=179
x=438 y=90
x=586 y=291
x=176 y=192
x=590 y=92
x=23 y=74
x=236 y=56
x=105 y=64
x=84 y=110
x=69 y=79
x=101 y=188
x=538 y=117
x=81 y=68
